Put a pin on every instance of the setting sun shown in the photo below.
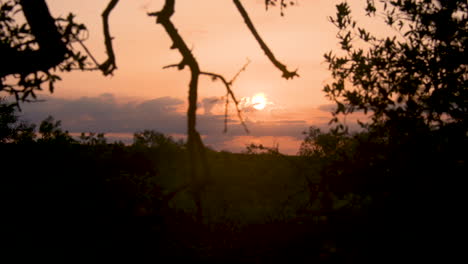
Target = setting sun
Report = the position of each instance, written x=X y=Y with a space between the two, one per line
x=259 y=101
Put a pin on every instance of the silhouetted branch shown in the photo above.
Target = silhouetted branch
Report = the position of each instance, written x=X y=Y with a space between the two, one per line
x=172 y=66
x=109 y=65
x=226 y=112
x=237 y=105
x=286 y=73
x=239 y=72
x=229 y=91
x=89 y=54
x=194 y=143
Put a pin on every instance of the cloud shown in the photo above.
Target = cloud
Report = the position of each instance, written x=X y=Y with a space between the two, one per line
x=210 y=102
x=327 y=107
x=160 y=105
x=104 y=114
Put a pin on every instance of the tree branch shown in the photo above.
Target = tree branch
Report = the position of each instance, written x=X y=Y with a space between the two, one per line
x=52 y=50
x=109 y=65
x=163 y=18
x=286 y=73
x=194 y=143
x=229 y=91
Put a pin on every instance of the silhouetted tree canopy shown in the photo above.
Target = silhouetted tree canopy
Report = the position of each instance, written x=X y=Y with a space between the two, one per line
x=414 y=87
x=35 y=51
x=420 y=73
x=12 y=129
x=154 y=139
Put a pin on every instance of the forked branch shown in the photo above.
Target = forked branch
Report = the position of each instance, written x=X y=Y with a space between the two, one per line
x=198 y=160
x=230 y=93
x=195 y=146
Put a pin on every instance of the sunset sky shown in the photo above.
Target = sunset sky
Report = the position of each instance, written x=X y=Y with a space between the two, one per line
x=142 y=95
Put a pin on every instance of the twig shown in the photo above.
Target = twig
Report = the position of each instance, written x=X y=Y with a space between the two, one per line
x=88 y=52
x=239 y=72
x=286 y=73
x=171 y=66
x=229 y=90
x=226 y=108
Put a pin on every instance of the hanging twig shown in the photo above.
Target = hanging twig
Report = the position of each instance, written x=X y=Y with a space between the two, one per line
x=231 y=93
x=226 y=108
x=236 y=103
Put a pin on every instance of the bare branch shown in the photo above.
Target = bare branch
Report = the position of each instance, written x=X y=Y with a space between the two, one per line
x=179 y=66
x=286 y=73
x=239 y=72
x=88 y=52
x=163 y=18
x=109 y=65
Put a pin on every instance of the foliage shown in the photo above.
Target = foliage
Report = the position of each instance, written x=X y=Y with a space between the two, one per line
x=51 y=131
x=320 y=144
x=420 y=74
x=252 y=203
x=19 y=42
x=282 y=4
x=253 y=148
x=12 y=129
x=154 y=139
x=24 y=133
x=7 y=120
x=93 y=139
x=414 y=86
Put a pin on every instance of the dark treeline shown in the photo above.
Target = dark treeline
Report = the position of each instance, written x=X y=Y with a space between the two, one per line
x=345 y=198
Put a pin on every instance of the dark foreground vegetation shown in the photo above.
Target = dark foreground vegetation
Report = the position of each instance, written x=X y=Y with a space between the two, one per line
x=392 y=193
x=345 y=199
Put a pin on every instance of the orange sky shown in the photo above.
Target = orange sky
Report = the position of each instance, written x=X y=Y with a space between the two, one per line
x=222 y=43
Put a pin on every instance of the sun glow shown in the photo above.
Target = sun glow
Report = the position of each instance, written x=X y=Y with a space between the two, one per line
x=259 y=101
